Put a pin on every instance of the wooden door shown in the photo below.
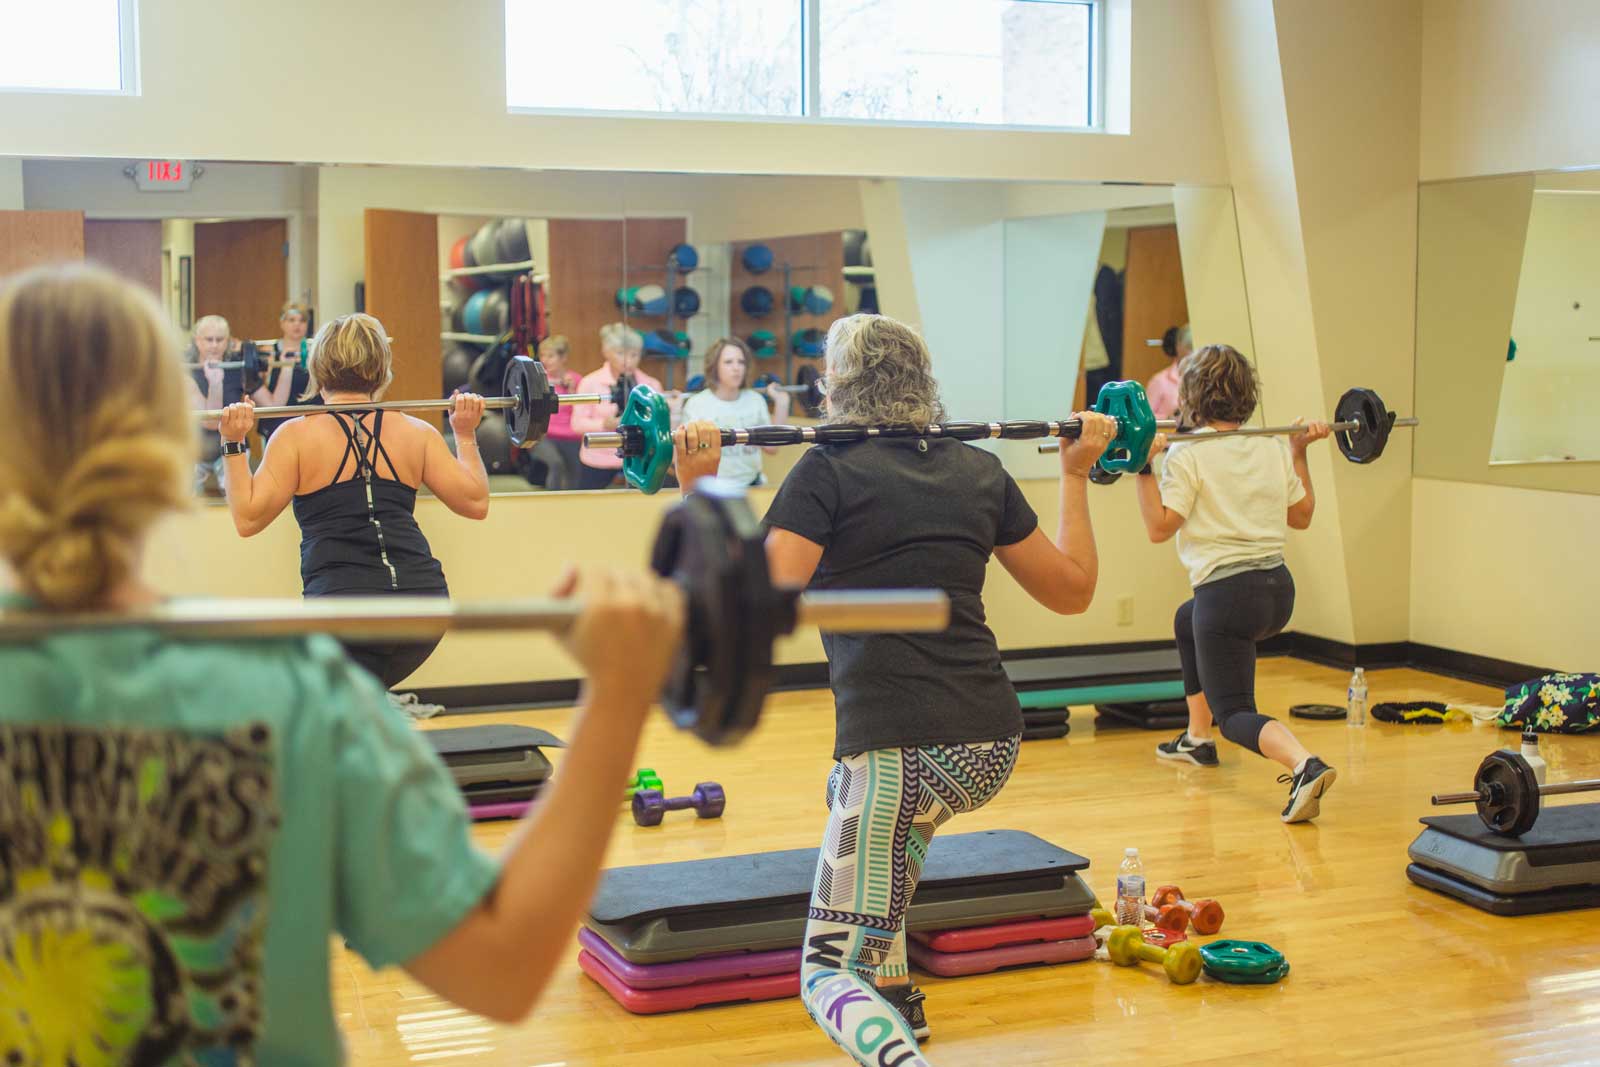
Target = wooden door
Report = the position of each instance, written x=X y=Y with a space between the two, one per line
x=241 y=272
x=131 y=247
x=586 y=269
x=402 y=289
x=39 y=238
x=1153 y=300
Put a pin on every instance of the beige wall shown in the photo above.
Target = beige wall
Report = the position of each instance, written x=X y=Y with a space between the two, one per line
x=409 y=81
x=11 y=187
x=1509 y=86
x=518 y=552
x=1507 y=573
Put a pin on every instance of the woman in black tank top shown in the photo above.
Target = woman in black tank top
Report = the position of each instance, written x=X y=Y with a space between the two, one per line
x=358 y=529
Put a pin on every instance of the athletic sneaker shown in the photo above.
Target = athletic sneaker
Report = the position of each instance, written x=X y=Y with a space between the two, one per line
x=907 y=1000
x=1184 y=750
x=1306 y=789
x=408 y=704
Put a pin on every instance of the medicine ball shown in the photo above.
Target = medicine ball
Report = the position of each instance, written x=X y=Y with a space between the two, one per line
x=763 y=343
x=685 y=302
x=757 y=259
x=494 y=444
x=683 y=258
x=695 y=383
x=808 y=342
x=460 y=258
x=481 y=249
x=853 y=242
x=757 y=301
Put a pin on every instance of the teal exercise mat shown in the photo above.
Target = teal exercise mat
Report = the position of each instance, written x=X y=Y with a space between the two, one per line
x=1089 y=669
x=1127 y=693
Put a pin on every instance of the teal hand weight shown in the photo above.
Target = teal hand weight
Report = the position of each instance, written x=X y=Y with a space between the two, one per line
x=647 y=415
x=1136 y=426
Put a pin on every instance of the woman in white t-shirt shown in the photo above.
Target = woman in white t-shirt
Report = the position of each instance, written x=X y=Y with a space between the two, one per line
x=726 y=402
x=1231 y=503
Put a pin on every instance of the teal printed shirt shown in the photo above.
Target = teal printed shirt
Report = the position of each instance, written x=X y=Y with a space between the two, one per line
x=183 y=825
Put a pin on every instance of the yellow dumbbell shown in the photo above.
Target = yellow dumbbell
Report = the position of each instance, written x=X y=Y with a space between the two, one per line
x=1126 y=947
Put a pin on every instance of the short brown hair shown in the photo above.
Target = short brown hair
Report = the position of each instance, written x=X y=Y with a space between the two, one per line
x=714 y=354
x=1217 y=385
x=350 y=355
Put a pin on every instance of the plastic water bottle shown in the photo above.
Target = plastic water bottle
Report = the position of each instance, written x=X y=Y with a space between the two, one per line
x=1130 y=890
x=1530 y=752
x=1356 y=699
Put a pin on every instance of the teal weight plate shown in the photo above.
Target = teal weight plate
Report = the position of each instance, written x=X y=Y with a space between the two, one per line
x=1236 y=958
x=1276 y=974
x=1136 y=426
x=653 y=418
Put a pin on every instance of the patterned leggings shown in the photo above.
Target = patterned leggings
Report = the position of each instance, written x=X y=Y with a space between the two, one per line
x=886 y=806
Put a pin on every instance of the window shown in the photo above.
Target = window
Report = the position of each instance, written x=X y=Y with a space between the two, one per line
x=995 y=62
x=989 y=62
x=710 y=57
x=68 y=46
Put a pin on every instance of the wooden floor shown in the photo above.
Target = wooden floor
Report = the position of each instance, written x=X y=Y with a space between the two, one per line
x=1384 y=973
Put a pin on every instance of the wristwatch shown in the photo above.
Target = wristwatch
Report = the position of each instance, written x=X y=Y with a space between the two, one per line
x=235 y=448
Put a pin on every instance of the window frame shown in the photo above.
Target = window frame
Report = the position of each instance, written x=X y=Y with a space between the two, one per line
x=811 y=91
x=127 y=60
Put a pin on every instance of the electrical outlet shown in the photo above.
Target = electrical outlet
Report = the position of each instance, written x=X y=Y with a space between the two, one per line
x=1125 y=611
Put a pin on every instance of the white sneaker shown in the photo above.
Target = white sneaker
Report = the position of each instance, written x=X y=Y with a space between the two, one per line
x=408 y=704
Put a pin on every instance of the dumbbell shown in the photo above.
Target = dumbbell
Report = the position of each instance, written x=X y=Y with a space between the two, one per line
x=643 y=778
x=1206 y=915
x=1126 y=947
x=707 y=800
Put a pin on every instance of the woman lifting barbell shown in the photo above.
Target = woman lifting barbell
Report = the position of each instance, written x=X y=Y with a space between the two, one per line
x=728 y=402
x=109 y=733
x=928 y=725
x=352 y=478
x=1231 y=505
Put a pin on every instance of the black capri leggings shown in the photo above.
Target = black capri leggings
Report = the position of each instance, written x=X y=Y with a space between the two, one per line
x=1217 y=634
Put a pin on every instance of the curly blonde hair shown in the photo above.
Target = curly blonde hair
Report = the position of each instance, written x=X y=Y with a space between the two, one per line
x=351 y=354
x=95 y=426
x=880 y=372
x=1217 y=385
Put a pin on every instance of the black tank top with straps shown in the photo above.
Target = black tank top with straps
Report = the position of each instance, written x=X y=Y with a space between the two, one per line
x=360 y=534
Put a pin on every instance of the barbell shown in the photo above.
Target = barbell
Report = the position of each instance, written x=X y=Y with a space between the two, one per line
x=1507 y=793
x=710 y=544
x=1361 y=429
x=251 y=360
x=529 y=403
x=644 y=436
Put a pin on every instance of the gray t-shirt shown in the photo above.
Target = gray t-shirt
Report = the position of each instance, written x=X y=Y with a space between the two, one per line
x=910 y=513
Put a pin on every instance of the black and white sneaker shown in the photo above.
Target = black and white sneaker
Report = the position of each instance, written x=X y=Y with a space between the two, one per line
x=1306 y=789
x=1185 y=750
x=907 y=1000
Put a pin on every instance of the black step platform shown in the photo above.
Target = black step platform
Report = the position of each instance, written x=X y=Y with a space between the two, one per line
x=495 y=758
x=1147 y=715
x=664 y=912
x=1535 y=903
x=1094 y=669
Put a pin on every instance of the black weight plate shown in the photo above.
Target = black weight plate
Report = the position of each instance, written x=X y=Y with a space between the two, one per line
x=1508 y=801
x=1100 y=476
x=529 y=421
x=1317 y=711
x=811 y=378
x=1366 y=407
x=712 y=545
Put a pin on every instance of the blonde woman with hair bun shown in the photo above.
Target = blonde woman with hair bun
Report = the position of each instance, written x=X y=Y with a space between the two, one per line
x=927 y=725
x=188 y=822
x=352 y=479
x=622 y=348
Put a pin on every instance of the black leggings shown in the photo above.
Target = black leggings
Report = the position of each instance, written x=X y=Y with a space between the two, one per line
x=595 y=478
x=1217 y=634
x=391 y=664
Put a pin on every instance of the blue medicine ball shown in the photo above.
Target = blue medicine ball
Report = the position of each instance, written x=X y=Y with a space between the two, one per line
x=757 y=259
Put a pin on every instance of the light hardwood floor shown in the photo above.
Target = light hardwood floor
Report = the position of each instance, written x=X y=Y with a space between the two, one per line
x=1383 y=972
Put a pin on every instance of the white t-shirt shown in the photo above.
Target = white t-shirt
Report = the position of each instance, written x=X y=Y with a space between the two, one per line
x=740 y=463
x=1234 y=495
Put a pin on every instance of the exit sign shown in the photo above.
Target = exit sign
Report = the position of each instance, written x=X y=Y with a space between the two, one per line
x=163 y=175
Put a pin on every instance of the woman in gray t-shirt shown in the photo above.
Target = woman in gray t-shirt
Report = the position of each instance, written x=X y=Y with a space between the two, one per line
x=927 y=724
x=727 y=402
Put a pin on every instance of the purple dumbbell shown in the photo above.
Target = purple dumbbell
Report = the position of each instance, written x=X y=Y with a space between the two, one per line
x=707 y=800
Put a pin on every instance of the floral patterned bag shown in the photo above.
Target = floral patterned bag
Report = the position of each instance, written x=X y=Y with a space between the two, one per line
x=1554 y=704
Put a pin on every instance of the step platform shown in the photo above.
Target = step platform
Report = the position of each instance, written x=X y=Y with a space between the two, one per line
x=1553 y=867
x=987 y=960
x=1082 y=679
x=684 y=997
x=1170 y=714
x=672 y=912
x=499 y=763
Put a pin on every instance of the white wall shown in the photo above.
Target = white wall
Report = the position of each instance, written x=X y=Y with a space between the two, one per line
x=11 y=187
x=414 y=82
x=1509 y=87
x=1548 y=393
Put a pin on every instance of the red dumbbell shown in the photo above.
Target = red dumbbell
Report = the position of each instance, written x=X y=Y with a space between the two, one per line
x=1168 y=917
x=1206 y=915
